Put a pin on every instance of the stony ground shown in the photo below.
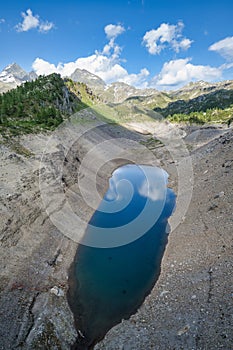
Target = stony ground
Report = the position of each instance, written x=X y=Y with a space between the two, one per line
x=191 y=305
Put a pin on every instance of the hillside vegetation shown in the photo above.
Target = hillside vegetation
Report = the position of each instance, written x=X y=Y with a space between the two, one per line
x=41 y=104
x=46 y=102
x=214 y=107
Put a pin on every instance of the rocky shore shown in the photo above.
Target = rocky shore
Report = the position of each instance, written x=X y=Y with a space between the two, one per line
x=190 y=307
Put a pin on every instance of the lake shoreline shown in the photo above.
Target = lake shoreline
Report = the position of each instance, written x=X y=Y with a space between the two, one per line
x=192 y=297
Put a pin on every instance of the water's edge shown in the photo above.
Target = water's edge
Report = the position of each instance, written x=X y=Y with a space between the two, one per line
x=107 y=285
x=81 y=342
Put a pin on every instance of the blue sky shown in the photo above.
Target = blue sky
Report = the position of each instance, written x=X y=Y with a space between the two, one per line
x=162 y=44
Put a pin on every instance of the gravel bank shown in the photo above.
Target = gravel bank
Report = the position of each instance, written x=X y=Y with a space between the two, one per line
x=191 y=305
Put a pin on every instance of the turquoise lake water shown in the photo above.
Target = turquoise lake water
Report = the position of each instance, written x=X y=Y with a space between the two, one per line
x=109 y=279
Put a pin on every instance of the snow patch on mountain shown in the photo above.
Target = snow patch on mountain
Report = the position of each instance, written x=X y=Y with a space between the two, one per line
x=15 y=75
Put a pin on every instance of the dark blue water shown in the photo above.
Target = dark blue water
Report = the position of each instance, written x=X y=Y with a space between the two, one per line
x=110 y=279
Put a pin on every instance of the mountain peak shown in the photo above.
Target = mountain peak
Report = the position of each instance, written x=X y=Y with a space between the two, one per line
x=15 y=74
x=13 y=65
x=92 y=80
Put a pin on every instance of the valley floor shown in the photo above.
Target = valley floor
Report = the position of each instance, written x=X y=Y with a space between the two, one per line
x=190 y=307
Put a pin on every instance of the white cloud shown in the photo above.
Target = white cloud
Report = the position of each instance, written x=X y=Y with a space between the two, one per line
x=112 y=30
x=173 y=74
x=111 y=48
x=31 y=22
x=158 y=39
x=181 y=71
x=2 y=20
x=44 y=27
x=184 y=44
x=43 y=67
x=226 y=66
x=105 y=67
x=108 y=47
x=224 y=48
x=100 y=65
x=105 y=64
x=138 y=80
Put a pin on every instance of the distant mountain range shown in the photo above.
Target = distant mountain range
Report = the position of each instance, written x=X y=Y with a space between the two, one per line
x=42 y=103
x=13 y=75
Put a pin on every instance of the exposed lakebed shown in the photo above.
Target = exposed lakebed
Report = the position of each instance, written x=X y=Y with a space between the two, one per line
x=119 y=260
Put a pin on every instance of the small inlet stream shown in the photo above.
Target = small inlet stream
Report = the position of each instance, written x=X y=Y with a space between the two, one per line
x=119 y=261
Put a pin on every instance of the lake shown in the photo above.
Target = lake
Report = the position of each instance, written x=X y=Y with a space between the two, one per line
x=119 y=260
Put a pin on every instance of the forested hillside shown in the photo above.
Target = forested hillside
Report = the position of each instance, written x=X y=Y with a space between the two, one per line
x=40 y=104
x=216 y=106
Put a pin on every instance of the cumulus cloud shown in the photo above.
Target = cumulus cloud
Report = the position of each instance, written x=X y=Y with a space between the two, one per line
x=98 y=64
x=112 y=30
x=164 y=36
x=105 y=67
x=106 y=64
x=31 y=21
x=181 y=71
x=110 y=47
x=173 y=74
x=2 y=20
x=138 y=80
x=43 y=67
x=224 y=48
x=45 y=27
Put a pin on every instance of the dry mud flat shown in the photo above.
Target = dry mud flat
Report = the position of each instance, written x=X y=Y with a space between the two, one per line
x=191 y=305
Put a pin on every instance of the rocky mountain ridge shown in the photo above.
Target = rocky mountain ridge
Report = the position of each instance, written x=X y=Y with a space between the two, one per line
x=44 y=103
x=118 y=92
x=92 y=80
x=13 y=74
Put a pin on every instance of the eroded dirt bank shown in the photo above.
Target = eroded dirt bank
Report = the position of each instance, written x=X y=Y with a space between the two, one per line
x=190 y=306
